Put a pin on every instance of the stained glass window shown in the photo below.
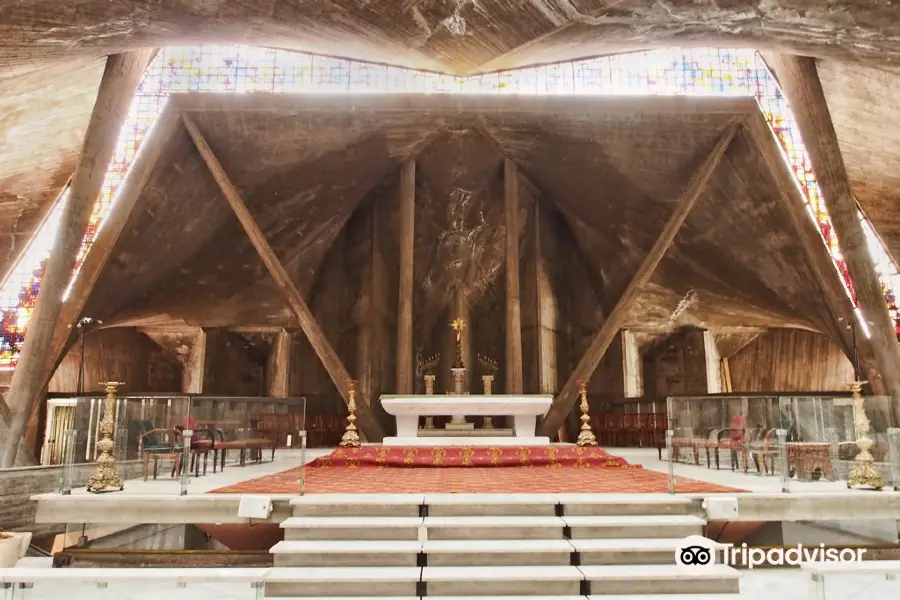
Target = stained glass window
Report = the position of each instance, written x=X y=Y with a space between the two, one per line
x=243 y=69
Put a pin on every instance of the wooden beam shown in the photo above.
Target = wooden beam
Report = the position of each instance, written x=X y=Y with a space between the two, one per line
x=547 y=310
x=117 y=88
x=514 y=369
x=726 y=375
x=800 y=81
x=816 y=255
x=565 y=400
x=632 y=365
x=332 y=363
x=405 y=303
x=279 y=365
x=713 y=363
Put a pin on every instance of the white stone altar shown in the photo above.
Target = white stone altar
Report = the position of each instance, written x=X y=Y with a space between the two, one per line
x=524 y=409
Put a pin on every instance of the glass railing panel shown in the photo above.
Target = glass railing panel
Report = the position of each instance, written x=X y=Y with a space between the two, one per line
x=837 y=441
x=176 y=445
x=234 y=439
x=728 y=441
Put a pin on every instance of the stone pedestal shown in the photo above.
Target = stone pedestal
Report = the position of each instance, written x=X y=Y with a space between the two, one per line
x=459 y=422
x=487 y=380
x=429 y=391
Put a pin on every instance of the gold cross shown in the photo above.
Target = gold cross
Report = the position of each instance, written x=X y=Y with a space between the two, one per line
x=458 y=325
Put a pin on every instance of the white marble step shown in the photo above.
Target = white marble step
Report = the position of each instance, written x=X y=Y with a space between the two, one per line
x=346 y=547
x=625 y=544
x=550 y=573
x=489 y=499
x=497 y=553
x=660 y=579
x=633 y=526
x=624 y=551
x=359 y=499
x=541 y=581
x=489 y=521
x=626 y=520
x=495 y=546
x=732 y=596
x=625 y=504
x=525 y=505
x=342 y=574
x=352 y=528
x=334 y=582
x=614 y=572
x=499 y=527
x=520 y=598
x=621 y=499
x=349 y=522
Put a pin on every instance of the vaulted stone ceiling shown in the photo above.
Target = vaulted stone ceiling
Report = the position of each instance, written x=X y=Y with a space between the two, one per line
x=52 y=53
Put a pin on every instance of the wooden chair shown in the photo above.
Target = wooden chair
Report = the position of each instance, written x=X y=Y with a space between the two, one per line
x=659 y=426
x=161 y=443
x=733 y=440
x=631 y=431
x=763 y=448
x=603 y=428
x=711 y=446
x=615 y=428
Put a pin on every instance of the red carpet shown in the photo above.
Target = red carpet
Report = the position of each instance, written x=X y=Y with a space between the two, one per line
x=371 y=470
x=469 y=456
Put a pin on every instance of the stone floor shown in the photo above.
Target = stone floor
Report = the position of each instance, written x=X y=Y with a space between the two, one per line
x=766 y=584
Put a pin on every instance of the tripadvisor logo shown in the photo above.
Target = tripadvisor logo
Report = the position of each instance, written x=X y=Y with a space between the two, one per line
x=696 y=551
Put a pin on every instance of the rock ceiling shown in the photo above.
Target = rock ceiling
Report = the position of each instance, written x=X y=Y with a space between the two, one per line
x=51 y=60
x=182 y=257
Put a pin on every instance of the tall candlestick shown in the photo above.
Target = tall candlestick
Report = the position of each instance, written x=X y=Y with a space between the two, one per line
x=429 y=391
x=486 y=380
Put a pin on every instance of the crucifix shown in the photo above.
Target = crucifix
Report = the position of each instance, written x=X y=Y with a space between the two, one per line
x=458 y=325
x=458 y=371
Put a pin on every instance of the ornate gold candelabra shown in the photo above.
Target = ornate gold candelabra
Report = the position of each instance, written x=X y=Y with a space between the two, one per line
x=585 y=436
x=106 y=476
x=863 y=475
x=350 y=438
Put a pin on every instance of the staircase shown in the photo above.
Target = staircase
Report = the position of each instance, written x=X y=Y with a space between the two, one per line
x=412 y=546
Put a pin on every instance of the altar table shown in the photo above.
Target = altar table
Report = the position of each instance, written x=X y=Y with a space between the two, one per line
x=524 y=409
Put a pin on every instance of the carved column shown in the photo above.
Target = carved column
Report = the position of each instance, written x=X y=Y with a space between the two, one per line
x=514 y=369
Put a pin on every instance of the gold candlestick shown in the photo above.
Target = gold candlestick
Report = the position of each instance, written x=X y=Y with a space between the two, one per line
x=429 y=391
x=106 y=475
x=863 y=475
x=585 y=436
x=350 y=438
x=487 y=380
